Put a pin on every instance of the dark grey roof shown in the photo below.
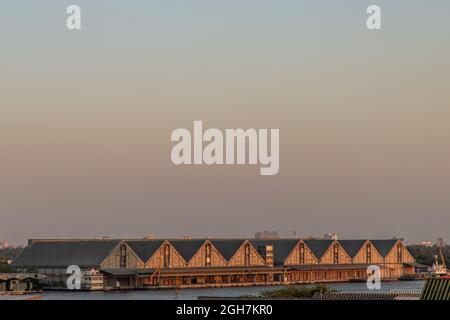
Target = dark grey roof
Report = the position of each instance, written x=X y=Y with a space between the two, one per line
x=64 y=253
x=307 y=267
x=227 y=247
x=318 y=247
x=145 y=248
x=436 y=289
x=355 y=296
x=187 y=248
x=352 y=247
x=281 y=247
x=384 y=246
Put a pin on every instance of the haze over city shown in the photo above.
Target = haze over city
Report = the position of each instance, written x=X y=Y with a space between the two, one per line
x=86 y=118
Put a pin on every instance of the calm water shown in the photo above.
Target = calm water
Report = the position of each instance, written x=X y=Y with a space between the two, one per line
x=190 y=294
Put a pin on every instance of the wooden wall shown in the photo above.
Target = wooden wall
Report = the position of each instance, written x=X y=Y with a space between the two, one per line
x=238 y=258
x=328 y=256
x=294 y=257
x=157 y=260
x=361 y=257
x=113 y=260
x=199 y=259
x=392 y=255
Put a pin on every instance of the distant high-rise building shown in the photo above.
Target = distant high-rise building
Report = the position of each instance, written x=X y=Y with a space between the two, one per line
x=266 y=235
x=440 y=242
x=330 y=236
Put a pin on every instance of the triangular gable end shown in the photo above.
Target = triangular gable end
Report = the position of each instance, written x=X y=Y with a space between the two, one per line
x=200 y=257
x=110 y=260
x=239 y=256
x=294 y=258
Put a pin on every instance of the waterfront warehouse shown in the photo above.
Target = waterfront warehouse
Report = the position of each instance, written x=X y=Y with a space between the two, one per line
x=159 y=263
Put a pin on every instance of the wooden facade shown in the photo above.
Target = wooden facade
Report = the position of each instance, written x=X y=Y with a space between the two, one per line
x=217 y=262
x=122 y=257
x=301 y=255
x=246 y=255
x=335 y=254
x=207 y=256
x=368 y=254
x=166 y=257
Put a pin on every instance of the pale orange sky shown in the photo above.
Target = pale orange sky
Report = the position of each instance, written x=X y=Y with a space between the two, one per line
x=86 y=118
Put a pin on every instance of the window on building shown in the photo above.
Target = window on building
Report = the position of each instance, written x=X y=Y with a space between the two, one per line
x=336 y=253
x=247 y=254
x=167 y=256
x=208 y=255
x=368 y=253
x=399 y=253
x=302 y=253
x=123 y=256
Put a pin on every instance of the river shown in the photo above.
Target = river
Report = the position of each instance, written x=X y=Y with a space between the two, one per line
x=192 y=294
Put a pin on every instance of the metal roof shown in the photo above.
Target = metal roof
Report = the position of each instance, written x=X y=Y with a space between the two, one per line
x=352 y=247
x=86 y=253
x=436 y=289
x=355 y=296
x=281 y=247
x=318 y=246
x=187 y=247
x=145 y=249
x=227 y=247
x=318 y=267
x=384 y=246
x=90 y=253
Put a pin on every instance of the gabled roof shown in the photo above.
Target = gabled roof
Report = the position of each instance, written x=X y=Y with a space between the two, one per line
x=86 y=253
x=145 y=249
x=384 y=246
x=281 y=248
x=227 y=247
x=318 y=247
x=352 y=247
x=187 y=248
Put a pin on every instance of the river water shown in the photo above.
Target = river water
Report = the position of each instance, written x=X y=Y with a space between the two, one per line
x=192 y=294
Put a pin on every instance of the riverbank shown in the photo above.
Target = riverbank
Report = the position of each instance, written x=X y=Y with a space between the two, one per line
x=193 y=294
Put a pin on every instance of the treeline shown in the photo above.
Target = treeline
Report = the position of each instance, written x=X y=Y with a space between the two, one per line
x=9 y=253
x=425 y=255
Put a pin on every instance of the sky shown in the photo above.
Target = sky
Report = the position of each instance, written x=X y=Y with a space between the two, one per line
x=86 y=118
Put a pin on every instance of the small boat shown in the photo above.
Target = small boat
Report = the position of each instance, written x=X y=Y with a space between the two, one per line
x=409 y=277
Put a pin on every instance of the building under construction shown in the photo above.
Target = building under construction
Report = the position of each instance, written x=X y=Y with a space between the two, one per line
x=125 y=264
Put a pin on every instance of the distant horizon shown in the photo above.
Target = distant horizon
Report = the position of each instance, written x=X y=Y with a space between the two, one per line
x=317 y=237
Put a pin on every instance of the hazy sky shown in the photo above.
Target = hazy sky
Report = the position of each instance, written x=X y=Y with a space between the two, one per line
x=86 y=118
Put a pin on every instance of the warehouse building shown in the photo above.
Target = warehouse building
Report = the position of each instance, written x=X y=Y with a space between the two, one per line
x=213 y=262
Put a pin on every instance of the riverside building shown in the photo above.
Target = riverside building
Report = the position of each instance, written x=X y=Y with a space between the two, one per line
x=148 y=263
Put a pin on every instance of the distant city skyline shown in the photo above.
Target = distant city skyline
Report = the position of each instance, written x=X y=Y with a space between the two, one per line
x=438 y=241
x=86 y=118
